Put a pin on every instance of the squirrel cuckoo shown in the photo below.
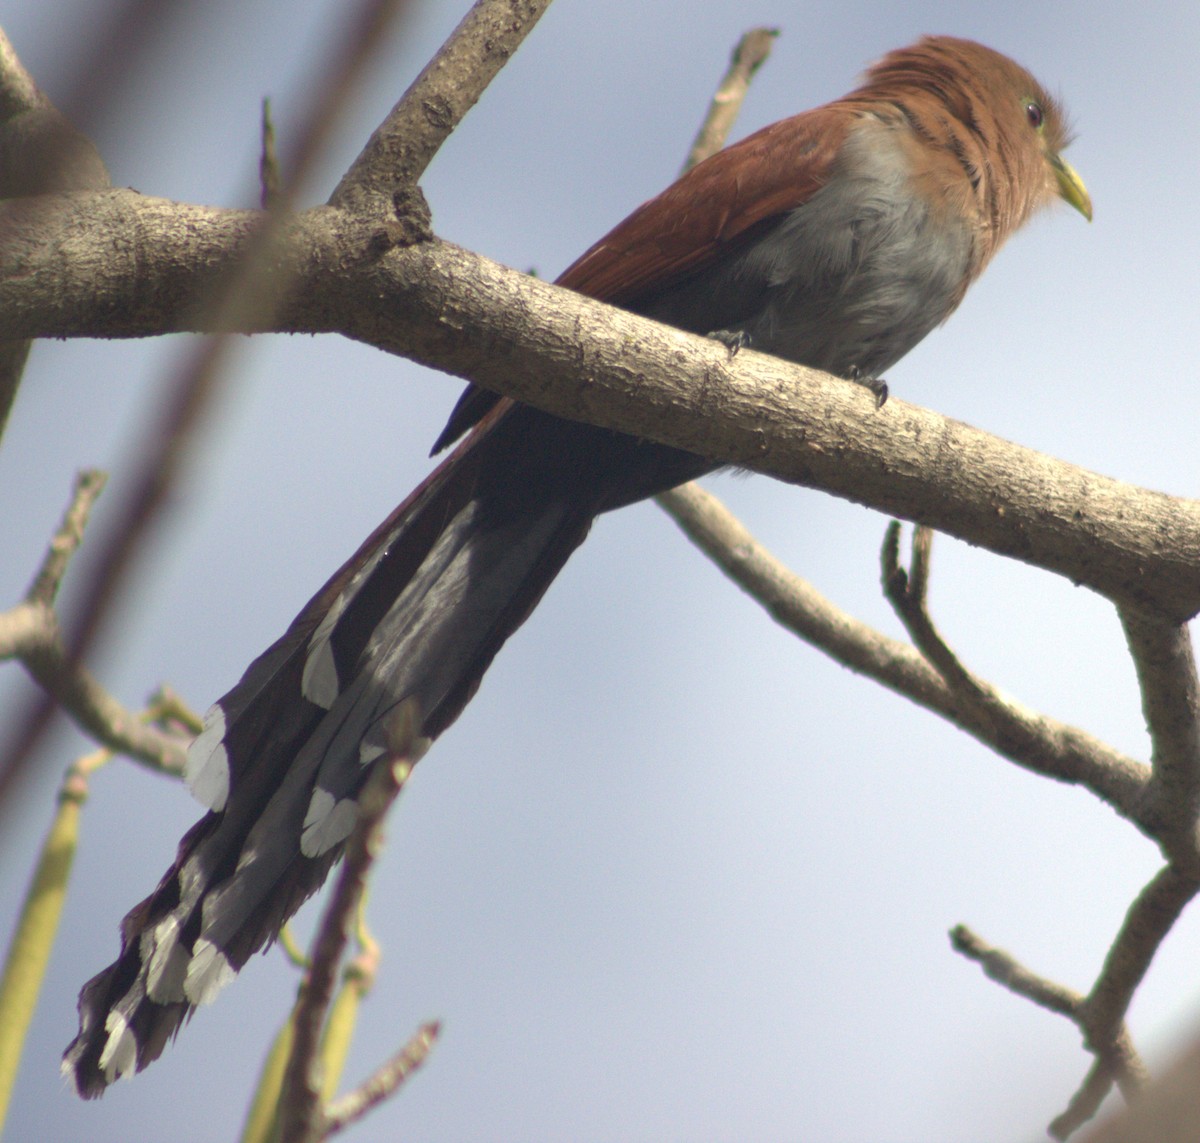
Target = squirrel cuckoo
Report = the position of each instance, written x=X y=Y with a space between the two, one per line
x=838 y=239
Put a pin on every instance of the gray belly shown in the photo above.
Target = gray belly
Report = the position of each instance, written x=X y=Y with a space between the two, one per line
x=849 y=282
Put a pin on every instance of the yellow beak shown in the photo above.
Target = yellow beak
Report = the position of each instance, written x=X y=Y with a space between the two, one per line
x=1070 y=186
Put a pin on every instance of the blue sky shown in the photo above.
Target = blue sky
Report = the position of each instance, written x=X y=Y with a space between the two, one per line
x=673 y=875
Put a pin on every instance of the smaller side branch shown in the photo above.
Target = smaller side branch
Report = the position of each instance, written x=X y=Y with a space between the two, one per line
x=448 y=87
x=1007 y=971
x=1166 y=669
x=30 y=632
x=1085 y=1103
x=1035 y=741
x=1117 y=1062
x=385 y=1081
x=66 y=540
x=750 y=54
x=1150 y=918
x=40 y=152
x=907 y=590
x=365 y=32
x=1167 y=1112
x=1038 y=743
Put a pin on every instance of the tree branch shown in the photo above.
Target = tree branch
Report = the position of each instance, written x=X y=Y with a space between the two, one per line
x=40 y=152
x=750 y=54
x=1034 y=741
x=433 y=106
x=385 y=1081
x=450 y=309
x=1116 y=1058
x=1150 y=918
x=239 y=292
x=1166 y=670
x=30 y=632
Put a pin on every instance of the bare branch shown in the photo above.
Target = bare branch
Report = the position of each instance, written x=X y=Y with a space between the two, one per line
x=40 y=151
x=750 y=54
x=384 y=1082
x=18 y=92
x=1165 y=1112
x=405 y=143
x=1166 y=669
x=1117 y=1061
x=1032 y=740
x=366 y=32
x=445 y=307
x=1085 y=1103
x=238 y=292
x=1008 y=972
x=1150 y=918
x=65 y=542
x=1101 y=1014
x=30 y=632
x=270 y=181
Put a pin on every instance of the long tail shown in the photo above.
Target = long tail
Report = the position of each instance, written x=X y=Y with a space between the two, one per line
x=418 y=612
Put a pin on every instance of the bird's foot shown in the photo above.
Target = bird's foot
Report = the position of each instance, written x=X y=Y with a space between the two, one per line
x=877 y=385
x=732 y=339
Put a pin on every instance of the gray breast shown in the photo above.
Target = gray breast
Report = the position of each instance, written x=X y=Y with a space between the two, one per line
x=850 y=281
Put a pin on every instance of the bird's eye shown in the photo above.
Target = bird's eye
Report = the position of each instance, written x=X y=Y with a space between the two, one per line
x=1035 y=115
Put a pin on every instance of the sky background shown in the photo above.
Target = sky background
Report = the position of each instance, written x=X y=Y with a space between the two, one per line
x=674 y=875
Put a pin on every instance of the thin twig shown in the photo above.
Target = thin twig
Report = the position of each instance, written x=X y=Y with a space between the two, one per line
x=30 y=632
x=1006 y=970
x=1085 y=1103
x=750 y=54
x=908 y=594
x=270 y=181
x=1116 y=1060
x=89 y=484
x=1165 y=1112
x=385 y=1081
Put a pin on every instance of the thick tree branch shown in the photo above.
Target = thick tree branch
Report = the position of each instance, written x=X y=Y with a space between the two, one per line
x=40 y=152
x=120 y=265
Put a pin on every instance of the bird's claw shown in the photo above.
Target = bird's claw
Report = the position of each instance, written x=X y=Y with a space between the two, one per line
x=877 y=385
x=732 y=339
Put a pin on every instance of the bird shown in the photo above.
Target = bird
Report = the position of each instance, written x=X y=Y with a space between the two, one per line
x=837 y=238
